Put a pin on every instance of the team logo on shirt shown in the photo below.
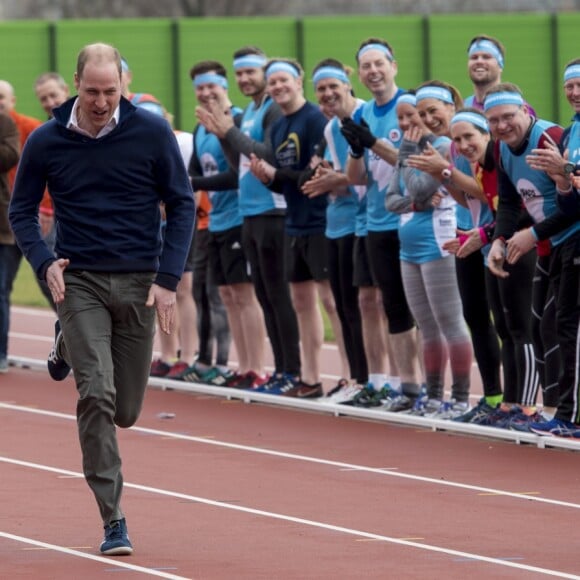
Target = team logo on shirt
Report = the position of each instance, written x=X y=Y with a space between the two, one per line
x=395 y=135
x=527 y=189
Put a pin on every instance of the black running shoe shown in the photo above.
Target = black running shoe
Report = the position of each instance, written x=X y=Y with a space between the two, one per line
x=58 y=368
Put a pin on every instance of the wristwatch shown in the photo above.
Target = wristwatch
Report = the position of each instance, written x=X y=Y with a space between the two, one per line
x=447 y=172
x=569 y=167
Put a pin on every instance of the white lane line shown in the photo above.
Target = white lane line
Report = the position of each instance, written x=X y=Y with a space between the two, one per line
x=317 y=460
x=310 y=523
x=108 y=561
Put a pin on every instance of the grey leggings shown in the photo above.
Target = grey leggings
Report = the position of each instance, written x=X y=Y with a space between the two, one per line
x=433 y=296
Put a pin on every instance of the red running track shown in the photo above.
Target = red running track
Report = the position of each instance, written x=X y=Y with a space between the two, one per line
x=230 y=490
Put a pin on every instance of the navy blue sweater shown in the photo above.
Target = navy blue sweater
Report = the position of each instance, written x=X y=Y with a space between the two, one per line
x=106 y=195
x=294 y=141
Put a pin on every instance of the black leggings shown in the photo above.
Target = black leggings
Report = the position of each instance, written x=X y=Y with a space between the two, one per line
x=476 y=311
x=511 y=303
x=340 y=275
x=265 y=246
x=544 y=335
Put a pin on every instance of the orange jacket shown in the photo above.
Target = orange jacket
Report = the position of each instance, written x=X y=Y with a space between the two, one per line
x=25 y=126
x=203 y=209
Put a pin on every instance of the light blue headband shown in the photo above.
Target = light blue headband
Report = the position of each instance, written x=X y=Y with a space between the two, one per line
x=489 y=47
x=210 y=78
x=572 y=72
x=407 y=98
x=124 y=65
x=250 y=61
x=375 y=46
x=472 y=118
x=330 y=72
x=432 y=92
x=503 y=98
x=280 y=66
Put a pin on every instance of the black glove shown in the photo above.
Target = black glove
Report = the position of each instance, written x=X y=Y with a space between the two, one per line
x=362 y=132
x=356 y=147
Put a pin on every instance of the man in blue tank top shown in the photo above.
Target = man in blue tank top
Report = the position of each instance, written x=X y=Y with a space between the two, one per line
x=262 y=210
x=374 y=138
x=522 y=138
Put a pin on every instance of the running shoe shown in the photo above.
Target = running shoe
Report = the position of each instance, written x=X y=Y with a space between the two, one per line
x=368 y=396
x=343 y=395
x=522 y=423
x=341 y=383
x=305 y=391
x=476 y=414
x=159 y=368
x=449 y=410
x=58 y=368
x=398 y=403
x=252 y=381
x=177 y=370
x=116 y=541
x=425 y=407
x=556 y=428
x=280 y=386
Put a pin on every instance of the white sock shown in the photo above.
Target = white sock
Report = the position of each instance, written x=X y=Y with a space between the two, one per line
x=394 y=383
x=377 y=380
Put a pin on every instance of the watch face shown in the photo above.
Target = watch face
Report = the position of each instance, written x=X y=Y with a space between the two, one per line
x=569 y=168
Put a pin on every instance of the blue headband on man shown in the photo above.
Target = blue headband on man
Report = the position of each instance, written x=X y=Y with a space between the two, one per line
x=210 y=79
x=473 y=118
x=330 y=72
x=375 y=46
x=434 y=92
x=280 y=66
x=572 y=72
x=502 y=98
x=250 y=61
x=489 y=47
x=407 y=98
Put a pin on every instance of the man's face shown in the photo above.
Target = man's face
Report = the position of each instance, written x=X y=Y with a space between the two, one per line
x=377 y=72
x=208 y=93
x=51 y=94
x=333 y=96
x=508 y=123
x=483 y=69
x=572 y=91
x=7 y=99
x=99 y=93
x=251 y=81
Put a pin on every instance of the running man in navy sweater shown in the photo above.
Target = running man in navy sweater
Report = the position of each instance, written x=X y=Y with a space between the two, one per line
x=107 y=165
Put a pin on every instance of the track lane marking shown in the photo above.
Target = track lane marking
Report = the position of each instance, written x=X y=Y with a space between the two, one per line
x=292 y=519
x=480 y=490
x=101 y=559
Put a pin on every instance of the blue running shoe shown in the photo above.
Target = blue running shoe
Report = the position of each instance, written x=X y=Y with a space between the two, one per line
x=556 y=428
x=279 y=386
x=116 y=541
x=522 y=423
x=58 y=368
x=476 y=414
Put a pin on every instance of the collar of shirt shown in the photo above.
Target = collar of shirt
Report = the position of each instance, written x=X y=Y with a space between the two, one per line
x=73 y=124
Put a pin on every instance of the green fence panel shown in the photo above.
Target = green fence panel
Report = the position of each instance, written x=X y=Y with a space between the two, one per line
x=25 y=46
x=146 y=44
x=527 y=40
x=567 y=50
x=217 y=39
x=340 y=37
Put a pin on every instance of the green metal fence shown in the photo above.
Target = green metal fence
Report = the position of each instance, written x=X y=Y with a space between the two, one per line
x=161 y=51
